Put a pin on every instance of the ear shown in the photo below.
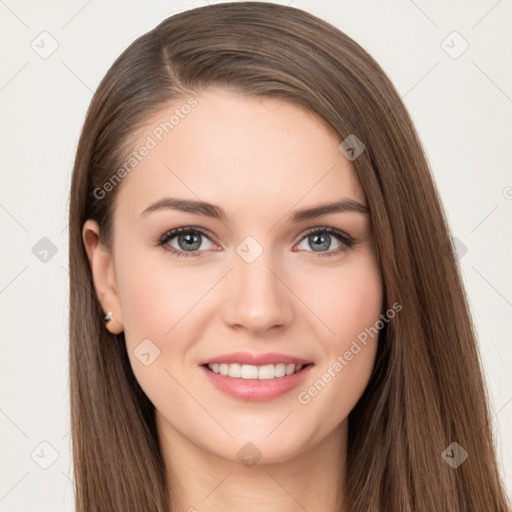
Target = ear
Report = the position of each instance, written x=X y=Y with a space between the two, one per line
x=103 y=274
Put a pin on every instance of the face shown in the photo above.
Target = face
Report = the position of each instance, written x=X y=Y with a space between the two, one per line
x=260 y=282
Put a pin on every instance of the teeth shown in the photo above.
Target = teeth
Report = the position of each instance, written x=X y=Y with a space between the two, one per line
x=248 y=371
x=234 y=370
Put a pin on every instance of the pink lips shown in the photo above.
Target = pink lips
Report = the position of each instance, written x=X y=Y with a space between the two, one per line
x=256 y=390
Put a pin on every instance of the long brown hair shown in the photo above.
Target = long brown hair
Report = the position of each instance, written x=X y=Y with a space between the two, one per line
x=426 y=390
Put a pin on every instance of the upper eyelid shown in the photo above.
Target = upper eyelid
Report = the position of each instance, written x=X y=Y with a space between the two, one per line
x=175 y=231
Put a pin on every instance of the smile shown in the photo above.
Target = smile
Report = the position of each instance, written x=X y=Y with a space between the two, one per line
x=256 y=383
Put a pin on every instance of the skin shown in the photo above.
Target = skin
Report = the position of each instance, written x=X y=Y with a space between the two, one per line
x=260 y=160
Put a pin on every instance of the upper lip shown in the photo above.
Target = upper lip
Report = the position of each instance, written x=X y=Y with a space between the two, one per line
x=255 y=359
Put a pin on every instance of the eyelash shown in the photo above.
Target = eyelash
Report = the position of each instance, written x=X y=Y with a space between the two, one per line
x=346 y=241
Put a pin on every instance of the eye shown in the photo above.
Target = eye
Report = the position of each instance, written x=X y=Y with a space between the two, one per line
x=188 y=241
x=321 y=238
x=192 y=241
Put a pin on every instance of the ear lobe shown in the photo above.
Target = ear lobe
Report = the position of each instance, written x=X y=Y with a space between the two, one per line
x=102 y=267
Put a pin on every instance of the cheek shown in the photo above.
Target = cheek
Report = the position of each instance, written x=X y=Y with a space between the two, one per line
x=143 y=304
x=350 y=302
x=154 y=296
x=360 y=304
x=360 y=307
x=153 y=299
x=351 y=307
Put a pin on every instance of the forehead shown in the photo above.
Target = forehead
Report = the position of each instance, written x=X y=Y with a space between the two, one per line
x=244 y=153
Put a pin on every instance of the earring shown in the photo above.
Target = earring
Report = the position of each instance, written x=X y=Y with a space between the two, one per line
x=113 y=327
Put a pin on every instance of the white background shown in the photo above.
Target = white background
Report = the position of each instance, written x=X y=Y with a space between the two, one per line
x=461 y=107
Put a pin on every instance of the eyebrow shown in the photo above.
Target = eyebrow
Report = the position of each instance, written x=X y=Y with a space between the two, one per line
x=216 y=212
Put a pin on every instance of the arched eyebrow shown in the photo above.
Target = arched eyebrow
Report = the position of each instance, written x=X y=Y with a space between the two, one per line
x=344 y=205
x=216 y=212
x=188 y=206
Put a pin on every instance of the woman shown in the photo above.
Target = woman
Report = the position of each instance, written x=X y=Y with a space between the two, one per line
x=266 y=311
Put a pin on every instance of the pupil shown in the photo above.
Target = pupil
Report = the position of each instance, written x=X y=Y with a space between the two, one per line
x=322 y=245
x=191 y=241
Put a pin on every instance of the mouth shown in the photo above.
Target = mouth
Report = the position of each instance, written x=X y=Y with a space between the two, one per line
x=255 y=383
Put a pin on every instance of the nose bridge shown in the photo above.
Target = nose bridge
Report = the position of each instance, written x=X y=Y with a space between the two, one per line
x=257 y=299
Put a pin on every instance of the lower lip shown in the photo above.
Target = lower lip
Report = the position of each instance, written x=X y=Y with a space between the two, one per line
x=256 y=390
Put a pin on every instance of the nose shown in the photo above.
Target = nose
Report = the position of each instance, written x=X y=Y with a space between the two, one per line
x=257 y=298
